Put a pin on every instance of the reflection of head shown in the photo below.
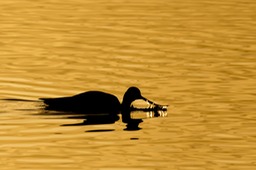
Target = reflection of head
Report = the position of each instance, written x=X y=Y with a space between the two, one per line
x=133 y=124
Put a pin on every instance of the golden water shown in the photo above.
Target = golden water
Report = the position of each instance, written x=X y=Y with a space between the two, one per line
x=197 y=56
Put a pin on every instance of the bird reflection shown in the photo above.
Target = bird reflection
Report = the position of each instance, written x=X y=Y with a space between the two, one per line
x=96 y=120
x=99 y=119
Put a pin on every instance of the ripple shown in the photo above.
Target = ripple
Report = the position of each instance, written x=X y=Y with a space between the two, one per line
x=198 y=57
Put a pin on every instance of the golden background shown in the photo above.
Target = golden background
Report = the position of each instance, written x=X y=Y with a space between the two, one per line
x=197 y=56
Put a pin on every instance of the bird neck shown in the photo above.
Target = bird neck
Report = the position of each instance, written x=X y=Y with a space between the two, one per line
x=126 y=111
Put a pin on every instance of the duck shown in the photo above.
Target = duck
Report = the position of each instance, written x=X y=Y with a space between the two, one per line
x=95 y=102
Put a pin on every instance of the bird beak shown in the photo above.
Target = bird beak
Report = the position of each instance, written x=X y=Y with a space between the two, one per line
x=162 y=107
x=145 y=99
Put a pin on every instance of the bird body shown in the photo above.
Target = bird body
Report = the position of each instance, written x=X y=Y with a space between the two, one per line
x=87 y=102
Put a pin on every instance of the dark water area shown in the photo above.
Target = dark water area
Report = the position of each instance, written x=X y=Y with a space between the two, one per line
x=197 y=57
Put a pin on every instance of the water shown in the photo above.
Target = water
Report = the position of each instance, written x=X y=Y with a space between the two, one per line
x=198 y=57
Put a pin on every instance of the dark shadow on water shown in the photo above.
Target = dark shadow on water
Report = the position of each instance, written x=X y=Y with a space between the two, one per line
x=133 y=125
x=19 y=100
x=93 y=119
x=101 y=130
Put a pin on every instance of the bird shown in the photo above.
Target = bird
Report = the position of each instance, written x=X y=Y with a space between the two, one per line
x=101 y=107
x=94 y=102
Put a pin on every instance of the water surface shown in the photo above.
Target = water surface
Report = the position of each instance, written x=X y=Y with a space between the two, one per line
x=197 y=56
